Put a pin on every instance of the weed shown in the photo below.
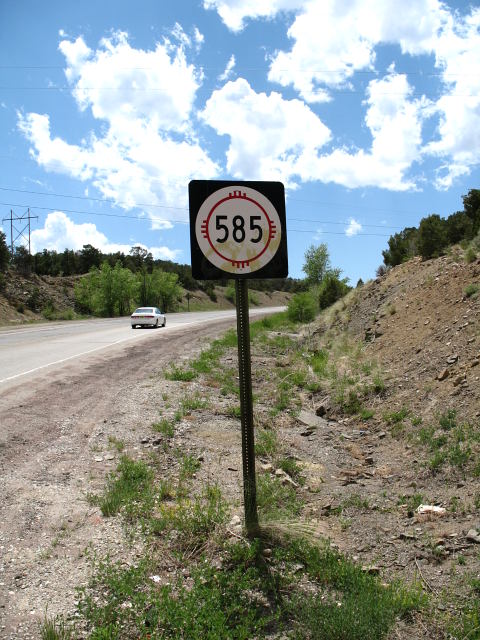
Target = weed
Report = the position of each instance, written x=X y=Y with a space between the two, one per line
x=165 y=427
x=437 y=461
x=266 y=443
x=55 y=629
x=356 y=501
x=378 y=384
x=395 y=417
x=319 y=362
x=366 y=414
x=193 y=521
x=119 y=445
x=180 y=375
x=412 y=502
x=472 y=290
x=128 y=483
x=234 y=412
x=448 y=420
x=276 y=501
x=291 y=467
x=192 y=403
x=352 y=404
x=188 y=466
x=459 y=455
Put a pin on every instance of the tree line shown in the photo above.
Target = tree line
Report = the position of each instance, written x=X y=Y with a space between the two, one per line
x=435 y=234
x=69 y=263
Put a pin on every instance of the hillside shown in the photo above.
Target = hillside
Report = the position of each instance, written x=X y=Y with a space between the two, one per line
x=36 y=298
x=422 y=322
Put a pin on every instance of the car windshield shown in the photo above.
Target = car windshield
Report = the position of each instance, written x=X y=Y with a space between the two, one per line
x=144 y=310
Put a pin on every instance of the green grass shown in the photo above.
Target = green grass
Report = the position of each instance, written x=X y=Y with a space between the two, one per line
x=119 y=445
x=130 y=482
x=247 y=598
x=472 y=290
x=266 y=443
x=55 y=629
x=193 y=403
x=165 y=426
x=180 y=375
x=293 y=469
x=276 y=501
x=194 y=520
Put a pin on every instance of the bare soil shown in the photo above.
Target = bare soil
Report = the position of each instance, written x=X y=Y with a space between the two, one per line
x=416 y=323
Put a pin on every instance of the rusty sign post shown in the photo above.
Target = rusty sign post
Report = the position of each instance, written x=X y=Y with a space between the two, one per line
x=238 y=230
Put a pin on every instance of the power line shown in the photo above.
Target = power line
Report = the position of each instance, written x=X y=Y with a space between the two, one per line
x=164 y=206
x=105 y=200
x=150 y=219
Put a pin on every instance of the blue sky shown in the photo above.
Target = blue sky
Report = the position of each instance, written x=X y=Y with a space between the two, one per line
x=368 y=113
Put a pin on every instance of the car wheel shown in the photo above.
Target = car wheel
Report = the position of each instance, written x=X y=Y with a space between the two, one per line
x=164 y=323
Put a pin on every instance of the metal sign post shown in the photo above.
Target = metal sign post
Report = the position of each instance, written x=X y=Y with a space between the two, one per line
x=238 y=230
x=246 y=408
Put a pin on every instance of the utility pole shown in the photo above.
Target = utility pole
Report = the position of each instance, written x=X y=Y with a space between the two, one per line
x=19 y=226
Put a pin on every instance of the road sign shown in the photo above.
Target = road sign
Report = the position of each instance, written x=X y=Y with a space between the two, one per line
x=237 y=229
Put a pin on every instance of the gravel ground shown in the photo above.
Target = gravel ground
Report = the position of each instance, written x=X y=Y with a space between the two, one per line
x=56 y=446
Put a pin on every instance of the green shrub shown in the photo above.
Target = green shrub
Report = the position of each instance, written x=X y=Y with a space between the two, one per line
x=331 y=289
x=471 y=290
x=470 y=255
x=302 y=307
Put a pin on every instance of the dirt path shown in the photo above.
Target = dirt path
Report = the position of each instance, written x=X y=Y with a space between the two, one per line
x=57 y=443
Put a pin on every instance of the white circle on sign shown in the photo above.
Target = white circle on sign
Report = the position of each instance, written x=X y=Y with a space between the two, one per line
x=238 y=229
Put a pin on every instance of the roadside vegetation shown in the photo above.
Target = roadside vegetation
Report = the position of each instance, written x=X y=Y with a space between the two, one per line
x=288 y=580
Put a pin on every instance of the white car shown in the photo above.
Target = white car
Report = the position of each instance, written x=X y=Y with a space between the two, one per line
x=148 y=317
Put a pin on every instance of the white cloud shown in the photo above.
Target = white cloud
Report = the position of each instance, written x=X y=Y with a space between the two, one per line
x=198 y=37
x=234 y=12
x=260 y=127
x=60 y=233
x=228 y=69
x=353 y=228
x=458 y=55
x=119 y=82
x=395 y=122
x=147 y=152
x=334 y=39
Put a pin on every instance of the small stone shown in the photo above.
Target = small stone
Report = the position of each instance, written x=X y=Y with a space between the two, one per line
x=443 y=374
x=458 y=380
x=372 y=570
x=235 y=522
x=473 y=536
x=452 y=359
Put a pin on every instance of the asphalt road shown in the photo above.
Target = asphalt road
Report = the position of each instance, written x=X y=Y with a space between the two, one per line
x=29 y=352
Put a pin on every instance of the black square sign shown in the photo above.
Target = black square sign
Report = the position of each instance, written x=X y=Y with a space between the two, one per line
x=237 y=229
